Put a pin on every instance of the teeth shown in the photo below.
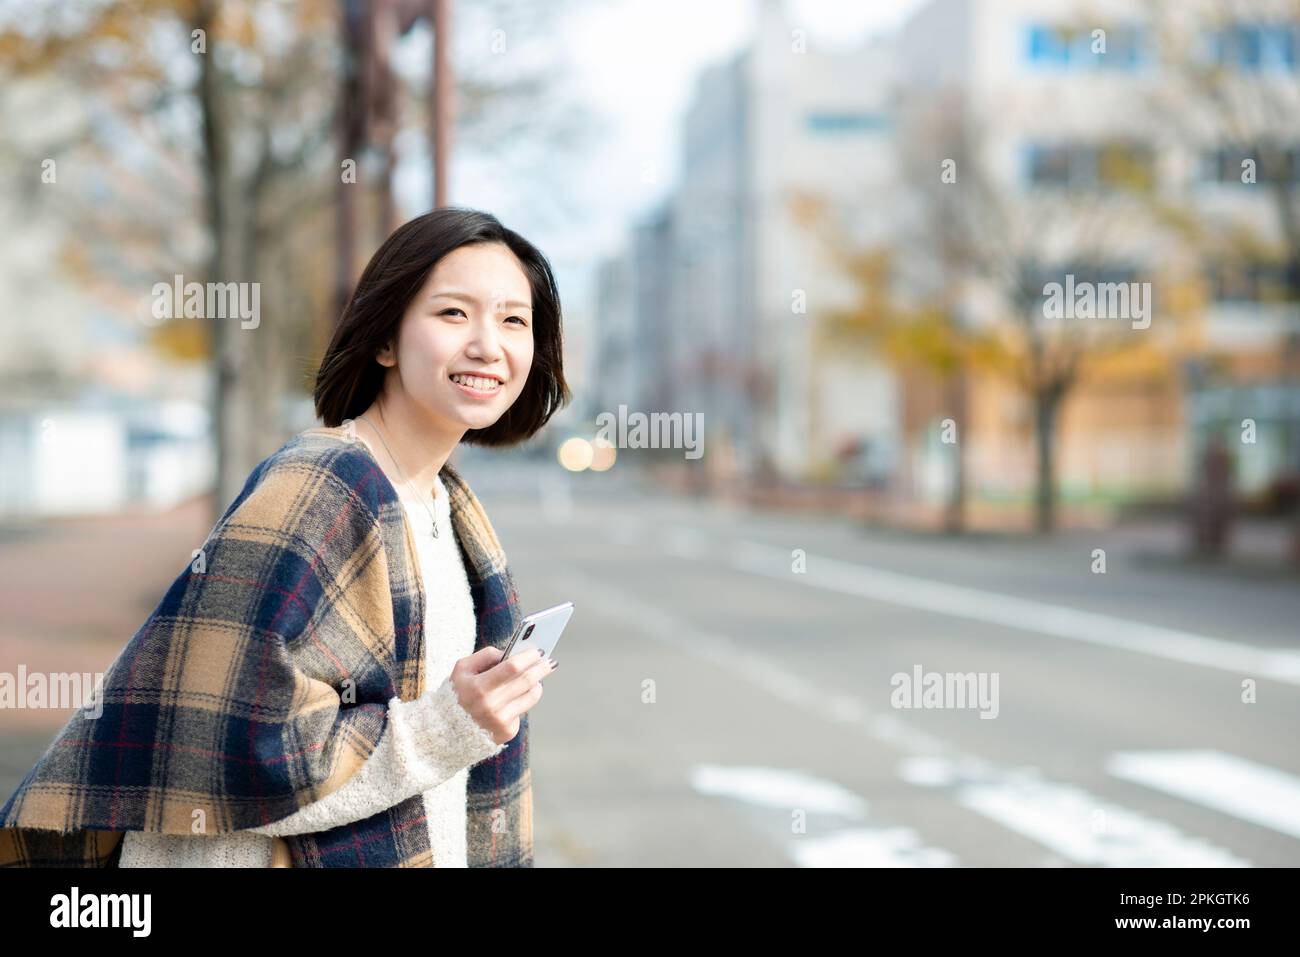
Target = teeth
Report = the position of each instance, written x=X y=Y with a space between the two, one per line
x=477 y=382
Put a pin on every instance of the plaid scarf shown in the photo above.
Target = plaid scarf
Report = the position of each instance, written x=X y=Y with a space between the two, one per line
x=260 y=683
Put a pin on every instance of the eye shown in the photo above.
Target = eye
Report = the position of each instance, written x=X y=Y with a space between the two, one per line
x=521 y=319
x=451 y=310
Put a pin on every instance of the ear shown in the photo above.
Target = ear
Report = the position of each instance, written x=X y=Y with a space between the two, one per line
x=387 y=356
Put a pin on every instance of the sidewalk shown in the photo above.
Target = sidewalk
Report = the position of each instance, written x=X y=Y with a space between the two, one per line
x=1257 y=547
x=74 y=591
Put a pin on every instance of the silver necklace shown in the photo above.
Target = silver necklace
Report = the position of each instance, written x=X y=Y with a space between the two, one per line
x=432 y=516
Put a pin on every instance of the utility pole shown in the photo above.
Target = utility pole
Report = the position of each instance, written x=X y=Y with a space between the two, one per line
x=369 y=116
x=351 y=133
x=441 y=98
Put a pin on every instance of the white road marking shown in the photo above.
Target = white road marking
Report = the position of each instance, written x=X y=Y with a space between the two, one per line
x=1246 y=790
x=863 y=847
x=777 y=788
x=853 y=846
x=1080 y=827
x=1026 y=614
x=1083 y=829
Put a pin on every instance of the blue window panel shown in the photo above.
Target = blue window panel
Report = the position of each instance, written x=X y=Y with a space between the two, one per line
x=1125 y=48
x=840 y=123
x=1057 y=45
x=1254 y=46
x=1045 y=46
x=1276 y=48
x=1081 y=50
x=1245 y=46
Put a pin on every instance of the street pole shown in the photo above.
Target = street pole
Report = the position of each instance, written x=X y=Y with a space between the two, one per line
x=353 y=93
x=440 y=98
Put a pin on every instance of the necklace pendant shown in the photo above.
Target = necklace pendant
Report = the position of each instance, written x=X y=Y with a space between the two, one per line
x=435 y=528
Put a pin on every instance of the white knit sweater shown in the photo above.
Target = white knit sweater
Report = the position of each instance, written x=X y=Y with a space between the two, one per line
x=428 y=745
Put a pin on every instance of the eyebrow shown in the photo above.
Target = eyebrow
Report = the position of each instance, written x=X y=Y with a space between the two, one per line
x=464 y=297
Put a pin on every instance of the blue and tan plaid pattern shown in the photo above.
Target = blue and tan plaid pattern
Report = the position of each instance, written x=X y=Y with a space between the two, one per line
x=260 y=682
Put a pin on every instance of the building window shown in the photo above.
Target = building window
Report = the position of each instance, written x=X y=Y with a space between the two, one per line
x=1049 y=165
x=840 y=123
x=1048 y=45
x=1126 y=165
x=1057 y=45
x=1125 y=48
x=1114 y=164
x=1256 y=46
x=1225 y=164
x=1254 y=282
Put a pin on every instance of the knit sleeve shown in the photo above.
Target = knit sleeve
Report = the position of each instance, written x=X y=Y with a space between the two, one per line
x=425 y=743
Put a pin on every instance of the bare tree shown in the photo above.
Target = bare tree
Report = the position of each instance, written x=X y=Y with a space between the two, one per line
x=972 y=229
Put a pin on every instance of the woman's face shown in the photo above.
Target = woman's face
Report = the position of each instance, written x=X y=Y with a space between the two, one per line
x=473 y=316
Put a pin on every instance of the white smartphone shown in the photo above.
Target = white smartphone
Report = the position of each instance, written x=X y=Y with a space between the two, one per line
x=541 y=629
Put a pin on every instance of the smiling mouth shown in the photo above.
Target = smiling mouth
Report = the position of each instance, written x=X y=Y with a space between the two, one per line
x=477 y=385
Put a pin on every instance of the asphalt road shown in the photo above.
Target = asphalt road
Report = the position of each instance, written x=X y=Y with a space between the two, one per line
x=721 y=703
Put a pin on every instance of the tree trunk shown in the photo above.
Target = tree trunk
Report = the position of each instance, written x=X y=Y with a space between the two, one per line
x=954 y=519
x=1295 y=536
x=229 y=215
x=216 y=177
x=1046 y=404
x=382 y=126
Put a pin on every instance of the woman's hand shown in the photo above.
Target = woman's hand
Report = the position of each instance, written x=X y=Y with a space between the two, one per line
x=496 y=692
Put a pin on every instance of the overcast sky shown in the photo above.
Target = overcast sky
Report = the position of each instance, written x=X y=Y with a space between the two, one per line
x=634 y=63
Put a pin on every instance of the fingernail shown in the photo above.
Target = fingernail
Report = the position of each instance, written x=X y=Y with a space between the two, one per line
x=541 y=652
x=554 y=664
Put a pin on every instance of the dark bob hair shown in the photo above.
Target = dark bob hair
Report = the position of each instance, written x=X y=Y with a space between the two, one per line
x=350 y=377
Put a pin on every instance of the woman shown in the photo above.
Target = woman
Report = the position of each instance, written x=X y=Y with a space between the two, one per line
x=323 y=687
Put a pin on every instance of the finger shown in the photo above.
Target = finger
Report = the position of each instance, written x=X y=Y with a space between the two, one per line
x=511 y=669
x=521 y=683
x=483 y=660
x=522 y=703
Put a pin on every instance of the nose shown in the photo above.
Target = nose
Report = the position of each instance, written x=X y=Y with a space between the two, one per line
x=485 y=341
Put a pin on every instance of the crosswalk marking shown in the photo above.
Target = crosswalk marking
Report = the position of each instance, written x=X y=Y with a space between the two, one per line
x=1224 y=782
x=1068 y=820
x=868 y=847
x=852 y=844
